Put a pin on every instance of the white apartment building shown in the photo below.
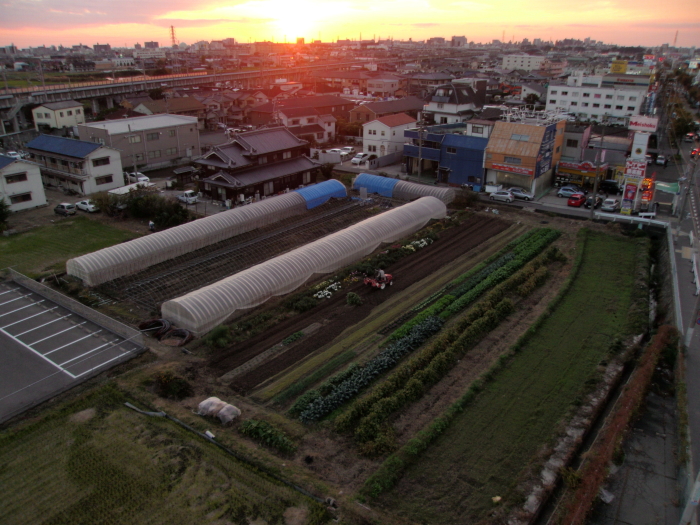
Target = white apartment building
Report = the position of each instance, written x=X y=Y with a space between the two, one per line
x=587 y=99
x=59 y=114
x=522 y=61
x=20 y=184
x=385 y=134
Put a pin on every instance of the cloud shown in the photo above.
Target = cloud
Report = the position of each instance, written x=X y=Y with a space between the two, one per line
x=425 y=24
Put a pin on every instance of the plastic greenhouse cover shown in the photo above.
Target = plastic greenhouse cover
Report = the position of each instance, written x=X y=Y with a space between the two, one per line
x=203 y=309
x=320 y=193
x=384 y=186
x=407 y=191
x=133 y=256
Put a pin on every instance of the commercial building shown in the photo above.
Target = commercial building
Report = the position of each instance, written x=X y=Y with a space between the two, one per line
x=148 y=142
x=522 y=61
x=57 y=115
x=187 y=106
x=524 y=153
x=84 y=167
x=20 y=184
x=599 y=98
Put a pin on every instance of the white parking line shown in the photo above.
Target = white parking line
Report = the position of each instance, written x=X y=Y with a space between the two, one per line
x=45 y=324
x=37 y=353
x=57 y=333
x=35 y=315
x=91 y=351
x=102 y=364
x=8 y=291
x=15 y=299
x=18 y=309
x=72 y=342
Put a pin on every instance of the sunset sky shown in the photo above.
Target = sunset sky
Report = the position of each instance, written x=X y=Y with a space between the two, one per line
x=125 y=22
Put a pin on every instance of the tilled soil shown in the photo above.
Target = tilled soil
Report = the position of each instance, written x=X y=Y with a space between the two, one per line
x=336 y=316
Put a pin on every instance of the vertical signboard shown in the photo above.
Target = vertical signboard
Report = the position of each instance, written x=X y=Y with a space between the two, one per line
x=619 y=67
x=634 y=173
x=544 y=156
x=628 y=198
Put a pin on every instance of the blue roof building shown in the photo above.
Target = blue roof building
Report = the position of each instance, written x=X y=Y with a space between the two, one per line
x=452 y=153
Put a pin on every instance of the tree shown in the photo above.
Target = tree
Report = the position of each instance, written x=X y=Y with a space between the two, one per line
x=532 y=98
x=4 y=214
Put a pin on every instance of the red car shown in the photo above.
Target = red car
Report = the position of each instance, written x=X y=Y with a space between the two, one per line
x=577 y=200
x=694 y=152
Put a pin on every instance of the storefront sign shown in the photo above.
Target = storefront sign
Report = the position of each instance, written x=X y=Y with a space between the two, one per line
x=628 y=198
x=643 y=124
x=635 y=169
x=512 y=169
x=584 y=167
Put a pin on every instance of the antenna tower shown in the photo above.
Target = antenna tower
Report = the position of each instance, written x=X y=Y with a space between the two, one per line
x=173 y=40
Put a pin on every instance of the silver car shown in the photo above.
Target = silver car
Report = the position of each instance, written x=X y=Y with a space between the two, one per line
x=502 y=195
x=520 y=193
x=610 y=205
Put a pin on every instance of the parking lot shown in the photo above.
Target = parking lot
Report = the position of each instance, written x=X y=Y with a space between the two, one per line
x=47 y=348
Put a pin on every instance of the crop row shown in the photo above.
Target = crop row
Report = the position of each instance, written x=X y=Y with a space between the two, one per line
x=392 y=469
x=314 y=405
x=467 y=281
x=431 y=364
x=263 y=432
x=363 y=376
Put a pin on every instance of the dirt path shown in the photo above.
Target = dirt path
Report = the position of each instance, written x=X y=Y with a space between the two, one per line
x=336 y=316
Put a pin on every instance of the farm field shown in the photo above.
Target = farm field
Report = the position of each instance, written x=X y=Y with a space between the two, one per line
x=96 y=461
x=486 y=450
x=334 y=314
x=46 y=249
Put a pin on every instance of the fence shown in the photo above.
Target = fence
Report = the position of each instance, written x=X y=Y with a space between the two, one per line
x=78 y=308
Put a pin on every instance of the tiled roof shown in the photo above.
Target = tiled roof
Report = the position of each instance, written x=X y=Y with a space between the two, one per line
x=62 y=146
x=396 y=106
x=395 y=120
x=62 y=105
x=258 y=174
x=5 y=161
x=174 y=105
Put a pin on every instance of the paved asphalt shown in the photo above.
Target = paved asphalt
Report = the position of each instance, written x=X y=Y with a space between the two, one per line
x=46 y=349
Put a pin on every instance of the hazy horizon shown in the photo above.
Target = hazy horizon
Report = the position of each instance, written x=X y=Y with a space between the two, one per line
x=622 y=22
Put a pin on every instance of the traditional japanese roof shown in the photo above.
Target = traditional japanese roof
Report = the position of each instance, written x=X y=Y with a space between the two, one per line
x=396 y=106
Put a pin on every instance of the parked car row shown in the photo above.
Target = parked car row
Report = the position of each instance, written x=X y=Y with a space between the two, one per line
x=66 y=208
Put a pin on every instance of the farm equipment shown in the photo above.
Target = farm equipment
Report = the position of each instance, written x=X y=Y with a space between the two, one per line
x=376 y=282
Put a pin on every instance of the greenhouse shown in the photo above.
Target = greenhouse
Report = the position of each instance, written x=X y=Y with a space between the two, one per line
x=136 y=255
x=401 y=189
x=202 y=310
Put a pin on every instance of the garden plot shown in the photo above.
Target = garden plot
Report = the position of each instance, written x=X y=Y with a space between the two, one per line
x=488 y=446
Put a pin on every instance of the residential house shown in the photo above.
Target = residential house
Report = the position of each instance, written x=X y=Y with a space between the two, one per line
x=533 y=89
x=58 y=115
x=20 y=184
x=78 y=165
x=255 y=165
x=452 y=153
x=324 y=104
x=355 y=82
x=373 y=110
x=385 y=134
x=187 y=106
x=455 y=102
x=524 y=153
x=131 y=101
x=148 y=142
x=421 y=84
x=307 y=124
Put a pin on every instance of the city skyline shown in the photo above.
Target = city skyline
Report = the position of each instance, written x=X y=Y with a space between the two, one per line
x=621 y=22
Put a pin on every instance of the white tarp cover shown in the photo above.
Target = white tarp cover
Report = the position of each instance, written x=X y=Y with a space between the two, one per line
x=203 y=309
x=228 y=414
x=210 y=406
x=407 y=191
x=133 y=256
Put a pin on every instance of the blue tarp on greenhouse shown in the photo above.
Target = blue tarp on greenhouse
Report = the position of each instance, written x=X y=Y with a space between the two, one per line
x=320 y=193
x=384 y=186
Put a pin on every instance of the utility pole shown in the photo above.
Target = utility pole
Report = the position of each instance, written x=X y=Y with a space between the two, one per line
x=597 y=167
x=420 y=148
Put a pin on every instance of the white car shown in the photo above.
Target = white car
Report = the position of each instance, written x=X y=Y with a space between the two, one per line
x=360 y=158
x=660 y=160
x=348 y=150
x=189 y=197
x=136 y=177
x=14 y=155
x=87 y=206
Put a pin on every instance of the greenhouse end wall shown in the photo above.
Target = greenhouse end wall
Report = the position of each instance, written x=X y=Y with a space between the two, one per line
x=203 y=309
x=400 y=189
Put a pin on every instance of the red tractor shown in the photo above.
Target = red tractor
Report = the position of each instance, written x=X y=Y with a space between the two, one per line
x=378 y=282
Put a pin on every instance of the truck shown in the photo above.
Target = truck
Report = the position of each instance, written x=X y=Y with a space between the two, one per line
x=188 y=197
